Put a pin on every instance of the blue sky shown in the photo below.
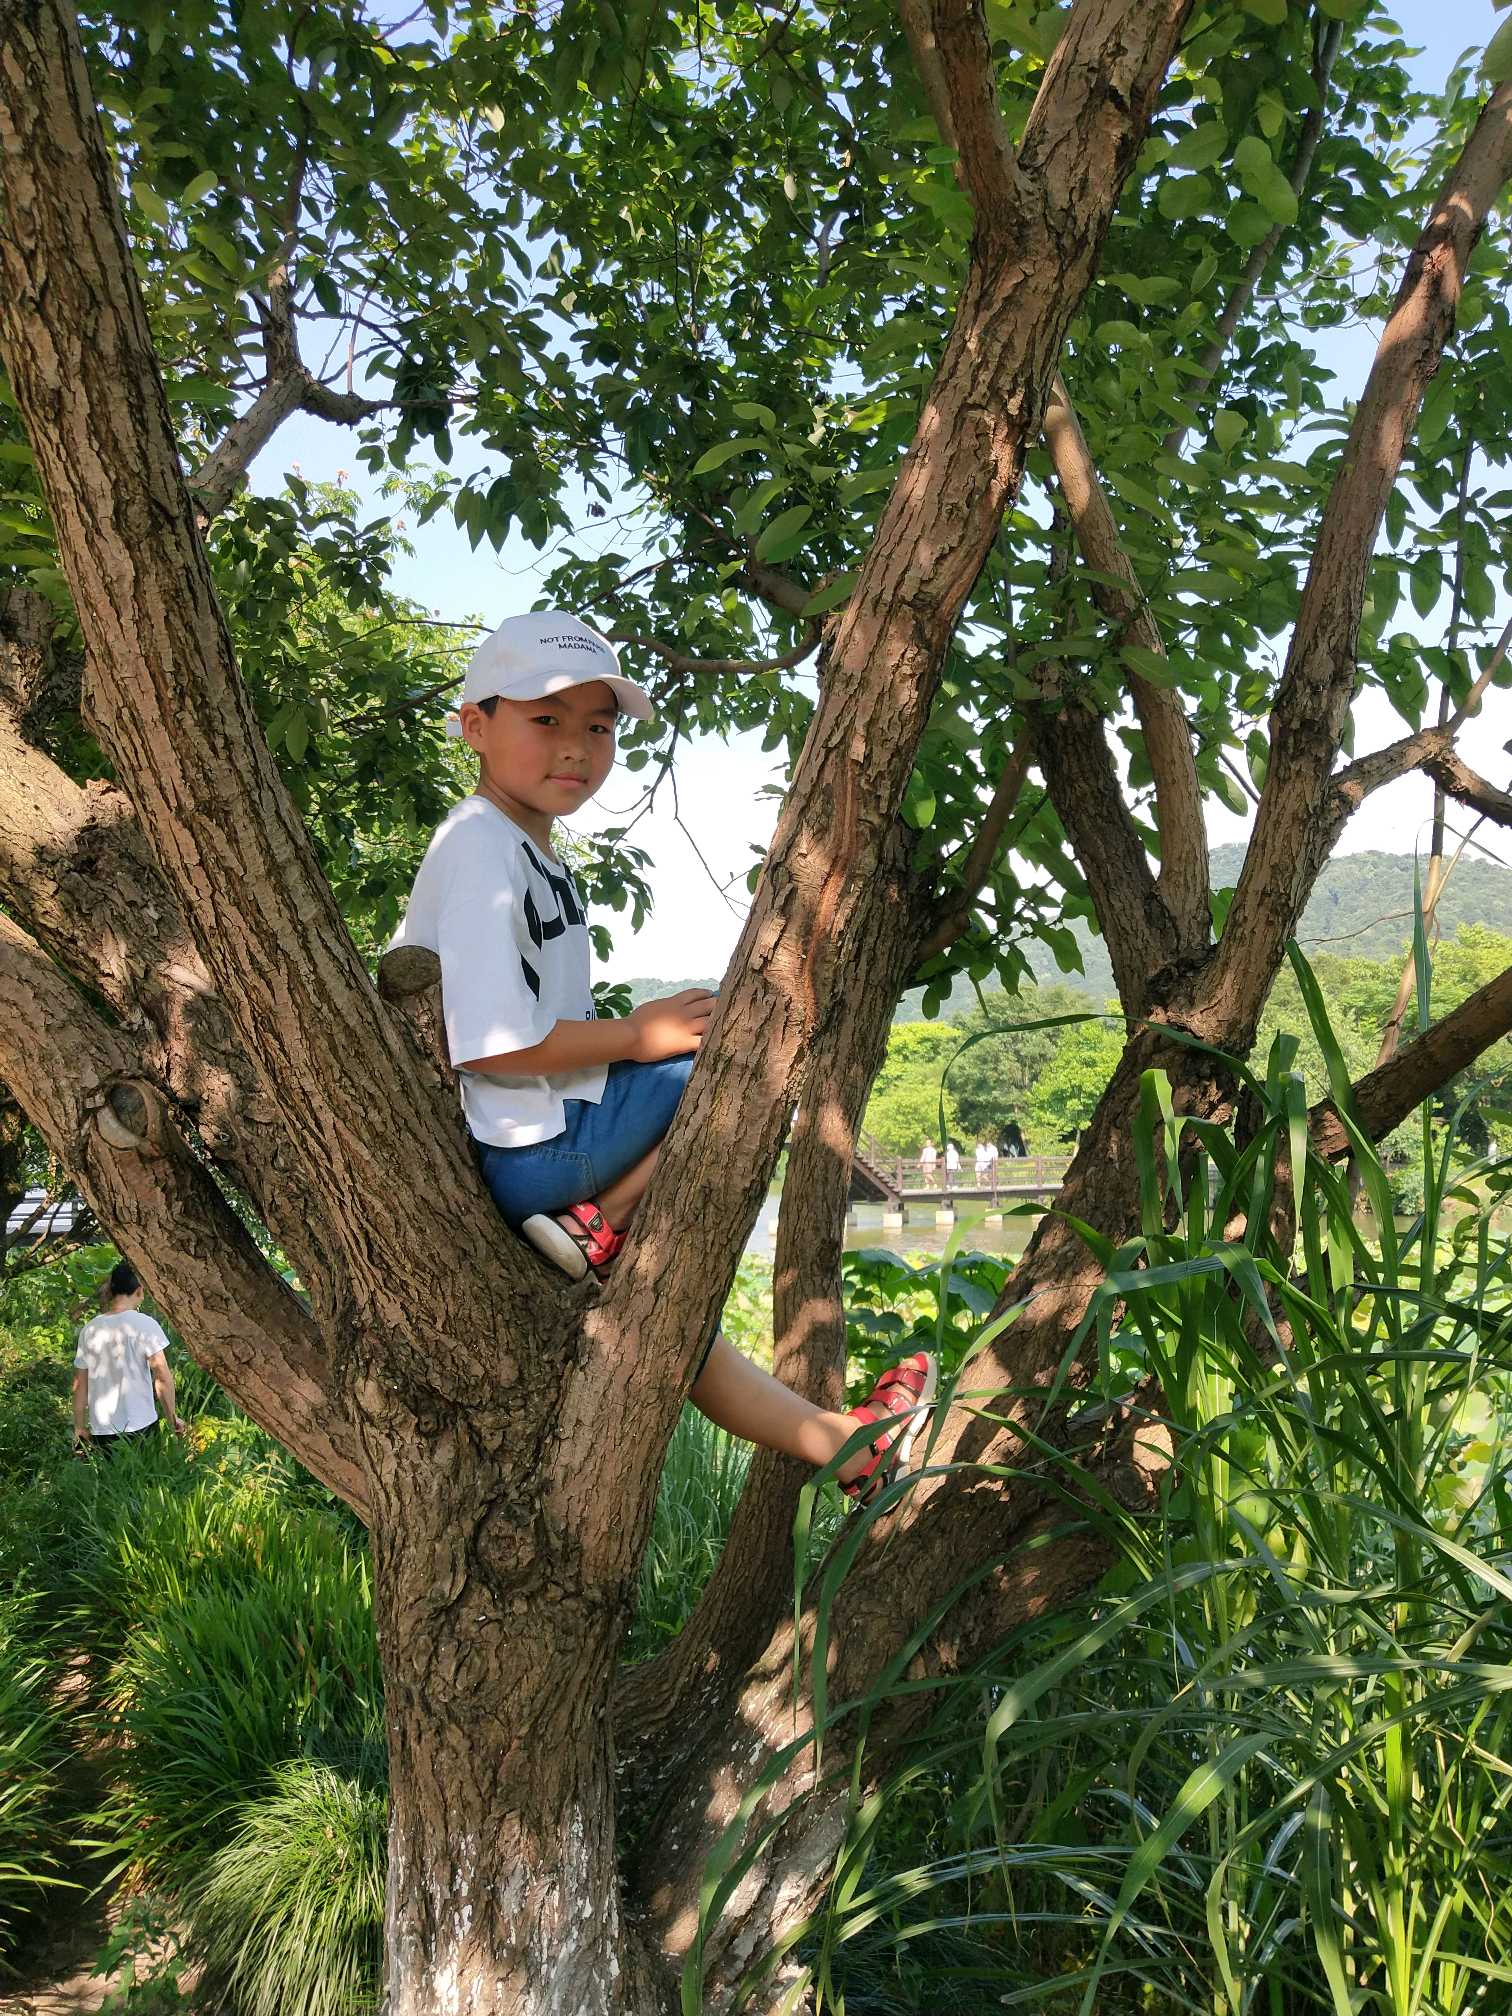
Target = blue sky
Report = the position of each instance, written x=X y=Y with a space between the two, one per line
x=694 y=927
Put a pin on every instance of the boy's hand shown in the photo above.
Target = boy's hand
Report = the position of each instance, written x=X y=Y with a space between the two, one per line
x=670 y=1027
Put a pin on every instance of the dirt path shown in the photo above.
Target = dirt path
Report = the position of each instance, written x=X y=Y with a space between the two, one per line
x=52 y=1976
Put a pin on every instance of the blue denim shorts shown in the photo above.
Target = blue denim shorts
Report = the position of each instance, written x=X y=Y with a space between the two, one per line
x=598 y=1144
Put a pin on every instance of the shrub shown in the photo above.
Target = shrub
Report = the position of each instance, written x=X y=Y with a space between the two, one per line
x=250 y=1642
x=288 y=1917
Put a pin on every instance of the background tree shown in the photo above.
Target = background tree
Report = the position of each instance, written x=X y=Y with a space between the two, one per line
x=803 y=297
x=994 y=1081
x=904 y=1106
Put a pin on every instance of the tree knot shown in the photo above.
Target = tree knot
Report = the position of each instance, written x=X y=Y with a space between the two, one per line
x=126 y=1116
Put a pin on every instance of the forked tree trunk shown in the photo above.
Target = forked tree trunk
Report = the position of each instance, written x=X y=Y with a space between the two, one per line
x=502 y=1435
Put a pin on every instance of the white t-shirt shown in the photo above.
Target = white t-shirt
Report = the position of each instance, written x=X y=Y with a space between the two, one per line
x=114 y=1351
x=508 y=926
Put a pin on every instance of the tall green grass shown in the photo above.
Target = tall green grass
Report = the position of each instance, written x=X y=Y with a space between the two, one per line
x=31 y=1756
x=1266 y=1767
x=701 y=1483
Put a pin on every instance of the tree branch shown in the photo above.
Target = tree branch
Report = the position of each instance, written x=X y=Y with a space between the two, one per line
x=949 y=925
x=821 y=908
x=719 y=667
x=954 y=60
x=1331 y=37
x=1318 y=684
x=775 y=588
x=1457 y=778
x=1077 y=766
x=1383 y=1098
x=169 y=704
x=83 y=1089
x=76 y=872
x=751 y=1586
x=1183 y=879
x=1352 y=785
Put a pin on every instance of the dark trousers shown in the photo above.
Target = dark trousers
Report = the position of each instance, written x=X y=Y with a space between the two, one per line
x=107 y=1445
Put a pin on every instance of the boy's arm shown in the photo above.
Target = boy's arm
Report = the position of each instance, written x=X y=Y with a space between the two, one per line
x=80 y=1403
x=656 y=1029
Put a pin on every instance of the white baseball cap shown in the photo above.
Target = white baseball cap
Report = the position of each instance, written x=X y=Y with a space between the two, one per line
x=528 y=657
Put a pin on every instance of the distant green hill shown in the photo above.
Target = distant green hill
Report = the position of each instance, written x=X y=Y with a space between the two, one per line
x=1361 y=908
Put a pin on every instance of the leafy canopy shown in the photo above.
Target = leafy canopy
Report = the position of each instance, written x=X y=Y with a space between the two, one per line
x=673 y=282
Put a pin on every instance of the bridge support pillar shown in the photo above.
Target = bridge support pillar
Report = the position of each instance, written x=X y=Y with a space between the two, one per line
x=893 y=1220
x=945 y=1214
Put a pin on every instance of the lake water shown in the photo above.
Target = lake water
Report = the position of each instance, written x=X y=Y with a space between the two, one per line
x=919 y=1235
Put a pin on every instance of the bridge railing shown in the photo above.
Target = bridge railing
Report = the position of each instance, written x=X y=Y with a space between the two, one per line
x=1010 y=1172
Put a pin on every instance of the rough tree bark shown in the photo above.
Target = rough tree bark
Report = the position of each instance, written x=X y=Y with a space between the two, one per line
x=447 y=1388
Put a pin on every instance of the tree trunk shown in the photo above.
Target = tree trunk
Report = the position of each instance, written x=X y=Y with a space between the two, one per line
x=503 y=1892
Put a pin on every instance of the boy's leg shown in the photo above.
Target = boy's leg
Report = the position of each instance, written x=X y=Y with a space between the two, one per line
x=617 y=1200
x=738 y=1396
x=591 y=1233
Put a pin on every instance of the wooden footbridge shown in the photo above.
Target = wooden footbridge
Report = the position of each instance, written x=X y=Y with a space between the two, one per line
x=896 y=1181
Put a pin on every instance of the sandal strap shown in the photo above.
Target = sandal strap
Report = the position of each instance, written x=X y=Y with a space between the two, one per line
x=593 y=1232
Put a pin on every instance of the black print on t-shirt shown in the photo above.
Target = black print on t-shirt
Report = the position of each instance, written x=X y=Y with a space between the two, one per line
x=560 y=898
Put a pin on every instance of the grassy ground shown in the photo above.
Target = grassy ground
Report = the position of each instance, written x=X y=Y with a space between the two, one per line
x=1261 y=1769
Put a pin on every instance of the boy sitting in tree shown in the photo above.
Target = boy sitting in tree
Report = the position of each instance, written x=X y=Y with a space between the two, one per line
x=567 y=1109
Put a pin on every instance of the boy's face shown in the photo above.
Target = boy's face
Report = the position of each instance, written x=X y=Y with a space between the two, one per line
x=548 y=756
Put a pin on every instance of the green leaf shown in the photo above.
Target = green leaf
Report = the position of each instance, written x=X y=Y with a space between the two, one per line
x=1248 y=224
x=749 y=409
x=1230 y=793
x=726 y=451
x=779 y=538
x=1200 y=146
x=919 y=803
x=1229 y=428
x=1272 y=12
x=1256 y=168
x=149 y=202
x=200 y=187
x=296 y=736
x=861 y=482
x=830 y=597
x=1149 y=664
x=1182 y=196
x=1252 y=159
x=1497 y=61
x=1279 y=200
x=748 y=518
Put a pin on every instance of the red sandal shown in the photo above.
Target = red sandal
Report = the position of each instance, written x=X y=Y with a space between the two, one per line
x=904 y=1394
x=577 y=1239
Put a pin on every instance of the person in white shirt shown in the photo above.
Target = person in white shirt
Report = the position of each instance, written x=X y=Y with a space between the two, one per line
x=952 y=1162
x=986 y=1165
x=928 y=1157
x=567 y=1109
x=121 y=1371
